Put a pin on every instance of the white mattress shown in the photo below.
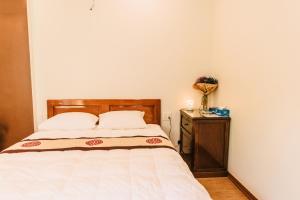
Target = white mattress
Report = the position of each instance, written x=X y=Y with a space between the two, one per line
x=138 y=174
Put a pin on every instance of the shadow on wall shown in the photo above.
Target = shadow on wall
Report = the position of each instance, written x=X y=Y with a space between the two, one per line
x=2 y=132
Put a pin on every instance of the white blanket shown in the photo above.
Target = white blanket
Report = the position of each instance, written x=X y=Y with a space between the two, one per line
x=138 y=174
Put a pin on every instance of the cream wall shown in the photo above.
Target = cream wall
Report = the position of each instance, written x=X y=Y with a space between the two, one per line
x=156 y=49
x=256 y=58
x=123 y=49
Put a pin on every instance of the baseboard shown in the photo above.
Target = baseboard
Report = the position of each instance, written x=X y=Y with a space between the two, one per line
x=220 y=173
x=243 y=189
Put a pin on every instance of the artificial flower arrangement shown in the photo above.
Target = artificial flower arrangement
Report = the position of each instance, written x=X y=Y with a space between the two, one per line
x=206 y=85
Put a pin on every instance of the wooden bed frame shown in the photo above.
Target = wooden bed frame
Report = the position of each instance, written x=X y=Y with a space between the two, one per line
x=151 y=107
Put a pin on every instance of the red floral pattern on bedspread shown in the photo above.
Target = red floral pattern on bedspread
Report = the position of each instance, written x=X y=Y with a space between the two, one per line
x=89 y=144
x=154 y=141
x=94 y=142
x=31 y=144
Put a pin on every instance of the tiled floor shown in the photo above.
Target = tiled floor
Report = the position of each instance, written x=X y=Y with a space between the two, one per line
x=222 y=189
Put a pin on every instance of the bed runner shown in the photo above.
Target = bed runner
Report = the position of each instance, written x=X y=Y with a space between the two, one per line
x=89 y=143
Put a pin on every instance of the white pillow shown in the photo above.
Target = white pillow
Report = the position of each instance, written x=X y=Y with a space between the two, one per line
x=70 y=121
x=122 y=120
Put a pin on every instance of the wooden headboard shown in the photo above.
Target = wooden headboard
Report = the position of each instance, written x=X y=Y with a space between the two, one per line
x=151 y=107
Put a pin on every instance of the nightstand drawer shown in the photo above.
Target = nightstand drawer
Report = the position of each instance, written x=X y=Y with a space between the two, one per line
x=187 y=124
x=186 y=142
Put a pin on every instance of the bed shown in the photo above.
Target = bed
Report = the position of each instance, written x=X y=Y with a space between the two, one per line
x=139 y=171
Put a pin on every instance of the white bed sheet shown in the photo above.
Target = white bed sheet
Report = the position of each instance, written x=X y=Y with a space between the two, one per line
x=138 y=174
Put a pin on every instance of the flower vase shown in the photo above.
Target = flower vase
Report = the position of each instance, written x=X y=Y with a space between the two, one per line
x=206 y=89
x=204 y=102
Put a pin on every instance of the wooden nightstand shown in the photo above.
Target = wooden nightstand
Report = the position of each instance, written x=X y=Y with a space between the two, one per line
x=204 y=143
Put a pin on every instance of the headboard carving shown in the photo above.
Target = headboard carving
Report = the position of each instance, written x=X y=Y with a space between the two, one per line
x=151 y=107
